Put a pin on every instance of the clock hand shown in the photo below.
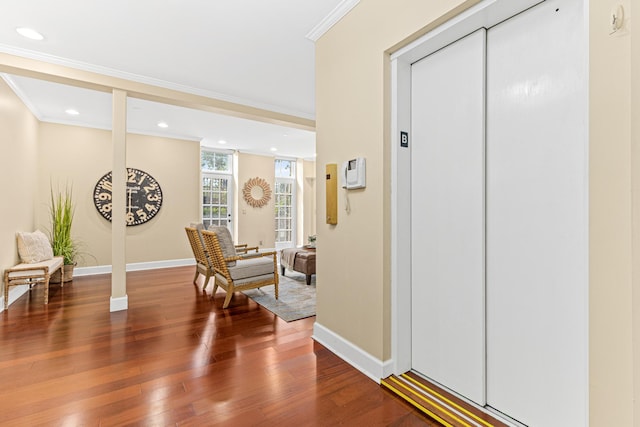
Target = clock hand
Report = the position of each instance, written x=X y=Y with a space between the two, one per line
x=129 y=206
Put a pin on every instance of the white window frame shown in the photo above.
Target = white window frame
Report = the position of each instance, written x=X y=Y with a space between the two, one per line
x=294 y=220
x=228 y=175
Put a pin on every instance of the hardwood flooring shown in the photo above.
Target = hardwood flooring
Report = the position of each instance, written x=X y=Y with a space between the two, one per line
x=175 y=358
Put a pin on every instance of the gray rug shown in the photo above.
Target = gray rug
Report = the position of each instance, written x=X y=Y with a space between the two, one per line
x=295 y=301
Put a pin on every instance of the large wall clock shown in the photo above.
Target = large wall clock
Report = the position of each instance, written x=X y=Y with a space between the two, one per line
x=144 y=196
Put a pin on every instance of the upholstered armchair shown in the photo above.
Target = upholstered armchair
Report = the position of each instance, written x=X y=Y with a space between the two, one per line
x=233 y=272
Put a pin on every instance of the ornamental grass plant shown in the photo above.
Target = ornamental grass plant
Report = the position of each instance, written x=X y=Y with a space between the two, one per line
x=62 y=210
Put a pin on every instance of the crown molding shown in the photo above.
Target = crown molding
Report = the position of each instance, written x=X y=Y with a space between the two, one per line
x=331 y=19
x=20 y=94
x=111 y=72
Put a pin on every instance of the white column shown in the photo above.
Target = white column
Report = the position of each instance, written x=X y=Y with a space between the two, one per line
x=119 y=299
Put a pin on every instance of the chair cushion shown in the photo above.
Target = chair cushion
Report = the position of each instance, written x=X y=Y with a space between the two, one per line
x=226 y=242
x=33 y=247
x=33 y=269
x=220 y=279
x=251 y=267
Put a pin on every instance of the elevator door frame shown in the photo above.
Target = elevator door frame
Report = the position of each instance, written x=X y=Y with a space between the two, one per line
x=485 y=14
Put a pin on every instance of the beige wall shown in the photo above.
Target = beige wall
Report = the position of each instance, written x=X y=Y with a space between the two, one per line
x=352 y=120
x=611 y=310
x=81 y=156
x=18 y=172
x=256 y=225
x=635 y=170
x=60 y=154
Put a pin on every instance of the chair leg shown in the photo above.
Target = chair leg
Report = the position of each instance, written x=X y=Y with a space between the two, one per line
x=215 y=286
x=195 y=278
x=46 y=289
x=6 y=294
x=227 y=300
x=206 y=280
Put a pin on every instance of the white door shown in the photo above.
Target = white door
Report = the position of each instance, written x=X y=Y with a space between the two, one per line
x=285 y=213
x=216 y=199
x=537 y=224
x=447 y=216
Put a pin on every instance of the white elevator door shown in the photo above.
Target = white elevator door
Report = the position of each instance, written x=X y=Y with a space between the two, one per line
x=537 y=222
x=447 y=216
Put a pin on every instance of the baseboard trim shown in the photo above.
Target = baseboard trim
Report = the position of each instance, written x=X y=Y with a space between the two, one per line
x=352 y=354
x=138 y=266
x=119 y=304
x=15 y=292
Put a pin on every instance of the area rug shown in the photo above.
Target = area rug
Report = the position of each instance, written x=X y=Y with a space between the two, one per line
x=295 y=301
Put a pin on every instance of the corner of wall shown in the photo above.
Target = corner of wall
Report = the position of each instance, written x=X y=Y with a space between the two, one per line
x=369 y=365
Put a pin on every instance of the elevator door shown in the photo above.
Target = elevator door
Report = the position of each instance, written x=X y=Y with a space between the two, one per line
x=537 y=216
x=447 y=216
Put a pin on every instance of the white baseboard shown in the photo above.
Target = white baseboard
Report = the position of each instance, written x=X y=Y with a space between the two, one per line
x=119 y=304
x=352 y=354
x=137 y=266
x=15 y=292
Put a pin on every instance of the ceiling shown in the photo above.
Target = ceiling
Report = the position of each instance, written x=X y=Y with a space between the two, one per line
x=250 y=52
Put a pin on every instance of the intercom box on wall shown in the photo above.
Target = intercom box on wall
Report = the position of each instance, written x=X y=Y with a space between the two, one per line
x=353 y=173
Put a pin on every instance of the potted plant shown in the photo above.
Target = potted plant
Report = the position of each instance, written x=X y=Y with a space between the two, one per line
x=312 y=241
x=62 y=210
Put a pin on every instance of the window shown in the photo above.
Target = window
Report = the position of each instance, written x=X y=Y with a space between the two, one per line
x=285 y=213
x=216 y=188
x=213 y=161
x=285 y=168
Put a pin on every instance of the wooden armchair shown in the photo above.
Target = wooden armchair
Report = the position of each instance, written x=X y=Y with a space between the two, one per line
x=204 y=265
x=238 y=272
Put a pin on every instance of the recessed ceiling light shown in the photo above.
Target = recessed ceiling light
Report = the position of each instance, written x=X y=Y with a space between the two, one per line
x=273 y=149
x=163 y=125
x=222 y=141
x=72 y=112
x=29 y=33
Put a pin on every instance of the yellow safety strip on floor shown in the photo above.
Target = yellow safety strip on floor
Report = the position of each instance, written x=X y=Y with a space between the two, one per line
x=428 y=398
x=460 y=408
x=416 y=404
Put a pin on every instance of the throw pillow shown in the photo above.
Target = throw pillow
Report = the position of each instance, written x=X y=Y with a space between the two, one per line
x=33 y=247
x=226 y=242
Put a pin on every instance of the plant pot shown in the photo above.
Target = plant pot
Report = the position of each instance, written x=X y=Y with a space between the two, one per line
x=68 y=274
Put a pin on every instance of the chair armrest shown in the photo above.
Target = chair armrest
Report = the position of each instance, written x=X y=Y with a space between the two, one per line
x=268 y=253
x=245 y=256
x=244 y=248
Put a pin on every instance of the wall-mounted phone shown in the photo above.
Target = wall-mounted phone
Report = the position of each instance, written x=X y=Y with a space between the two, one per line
x=353 y=173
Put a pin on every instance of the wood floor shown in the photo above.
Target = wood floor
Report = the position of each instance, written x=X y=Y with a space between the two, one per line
x=175 y=358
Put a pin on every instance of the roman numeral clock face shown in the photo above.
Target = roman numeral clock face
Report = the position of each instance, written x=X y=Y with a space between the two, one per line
x=144 y=196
